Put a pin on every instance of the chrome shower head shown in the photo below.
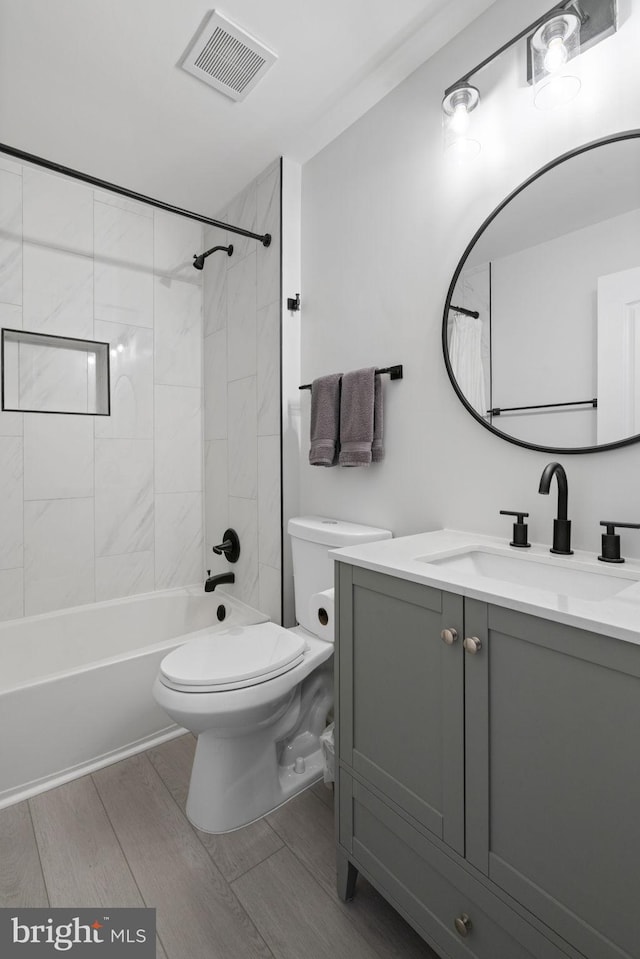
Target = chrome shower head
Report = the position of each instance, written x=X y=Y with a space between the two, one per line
x=199 y=258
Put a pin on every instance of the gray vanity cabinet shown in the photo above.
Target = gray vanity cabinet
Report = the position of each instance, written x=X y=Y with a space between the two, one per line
x=401 y=728
x=493 y=796
x=552 y=763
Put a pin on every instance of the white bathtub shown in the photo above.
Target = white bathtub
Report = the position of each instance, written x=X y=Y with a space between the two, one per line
x=75 y=685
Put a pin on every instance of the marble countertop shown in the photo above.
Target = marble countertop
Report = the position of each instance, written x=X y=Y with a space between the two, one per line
x=410 y=558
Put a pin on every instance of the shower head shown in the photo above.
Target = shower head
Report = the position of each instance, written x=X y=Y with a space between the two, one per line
x=199 y=258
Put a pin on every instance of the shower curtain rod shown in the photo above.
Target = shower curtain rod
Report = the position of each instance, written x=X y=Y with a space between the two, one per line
x=265 y=238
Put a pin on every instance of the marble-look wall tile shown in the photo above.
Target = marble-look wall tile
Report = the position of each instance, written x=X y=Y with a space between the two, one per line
x=178 y=539
x=242 y=211
x=243 y=445
x=58 y=456
x=214 y=285
x=123 y=266
x=270 y=602
x=215 y=391
x=124 y=496
x=123 y=203
x=178 y=333
x=11 y=593
x=236 y=421
x=243 y=517
x=216 y=494
x=58 y=561
x=131 y=374
x=176 y=241
x=123 y=236
x=10 y=165
x=178 y=439
x=58 y=292
x=11 y=319
x=268 y=258
x=57 y=212
x=51 y=380
x=241 y=318
x=269 y=370
x=124 y=575
x=10 y=237
x=11 y=478
x=269 y=509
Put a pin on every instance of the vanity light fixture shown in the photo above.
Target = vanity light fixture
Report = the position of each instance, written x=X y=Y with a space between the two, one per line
x=457 y=106
x=554 y=47
x=554 y=42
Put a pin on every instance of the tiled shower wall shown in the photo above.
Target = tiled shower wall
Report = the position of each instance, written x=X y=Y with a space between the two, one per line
x=93 y=508
x=242 y=394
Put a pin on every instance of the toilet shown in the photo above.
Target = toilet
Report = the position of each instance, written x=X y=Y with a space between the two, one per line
x=257 y=697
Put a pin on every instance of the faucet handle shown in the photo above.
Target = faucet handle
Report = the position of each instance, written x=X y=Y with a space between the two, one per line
x=230 y=546
x=611 y=541
x=520 y=528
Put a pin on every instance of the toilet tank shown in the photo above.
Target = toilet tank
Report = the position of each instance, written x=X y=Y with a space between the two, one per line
x=311 y=539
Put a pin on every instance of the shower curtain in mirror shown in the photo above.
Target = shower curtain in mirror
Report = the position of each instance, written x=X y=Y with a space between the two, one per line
x=466 y=359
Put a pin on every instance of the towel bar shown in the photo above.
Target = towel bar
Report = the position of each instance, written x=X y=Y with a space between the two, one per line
x=395 y=373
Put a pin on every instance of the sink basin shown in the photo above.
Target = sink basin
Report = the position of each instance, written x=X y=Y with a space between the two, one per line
x=535 y=572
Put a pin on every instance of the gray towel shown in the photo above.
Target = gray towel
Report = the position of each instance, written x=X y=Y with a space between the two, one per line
x=377 y=449
x=356 y=417
x=325 y=420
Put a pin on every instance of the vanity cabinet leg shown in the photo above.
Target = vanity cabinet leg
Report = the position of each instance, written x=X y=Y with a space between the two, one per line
x=346 y=876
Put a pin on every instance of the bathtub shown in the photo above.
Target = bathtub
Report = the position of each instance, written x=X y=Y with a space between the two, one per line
x=75 y=685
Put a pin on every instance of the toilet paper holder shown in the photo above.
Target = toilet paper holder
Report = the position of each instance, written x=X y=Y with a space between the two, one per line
x=323 y=616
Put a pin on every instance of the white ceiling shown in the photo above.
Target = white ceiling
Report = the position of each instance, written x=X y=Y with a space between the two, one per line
x=95 y=84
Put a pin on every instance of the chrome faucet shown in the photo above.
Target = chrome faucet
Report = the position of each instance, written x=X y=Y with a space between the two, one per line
x=561 y=525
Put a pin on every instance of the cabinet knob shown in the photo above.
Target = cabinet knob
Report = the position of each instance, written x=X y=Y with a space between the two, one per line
x=463 y=925
x=472 y=645
x=449 y=636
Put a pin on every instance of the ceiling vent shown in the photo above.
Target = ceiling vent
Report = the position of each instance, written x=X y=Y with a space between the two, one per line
x=227 y=58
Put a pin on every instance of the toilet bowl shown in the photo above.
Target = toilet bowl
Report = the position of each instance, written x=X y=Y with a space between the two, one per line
x=258 y=729
x=257 y=697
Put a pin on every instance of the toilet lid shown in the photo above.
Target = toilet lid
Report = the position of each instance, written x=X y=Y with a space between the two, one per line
x=232 y=658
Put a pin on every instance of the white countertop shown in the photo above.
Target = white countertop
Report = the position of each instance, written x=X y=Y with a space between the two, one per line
x=407 y=557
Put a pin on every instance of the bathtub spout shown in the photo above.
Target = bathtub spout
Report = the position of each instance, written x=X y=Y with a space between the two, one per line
x=212 y=581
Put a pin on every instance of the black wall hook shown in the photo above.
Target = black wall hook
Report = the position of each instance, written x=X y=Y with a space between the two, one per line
x=293 y=304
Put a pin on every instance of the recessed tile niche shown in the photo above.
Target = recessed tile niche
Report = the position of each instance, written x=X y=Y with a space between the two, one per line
x=42 y=373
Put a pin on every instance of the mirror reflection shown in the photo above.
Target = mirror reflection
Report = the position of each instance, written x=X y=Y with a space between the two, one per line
x=540 y=329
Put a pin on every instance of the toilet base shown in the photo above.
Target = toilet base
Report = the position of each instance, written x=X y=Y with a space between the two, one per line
x=239 y=778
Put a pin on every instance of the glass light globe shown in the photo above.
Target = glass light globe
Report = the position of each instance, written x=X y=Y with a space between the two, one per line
x=554 y=48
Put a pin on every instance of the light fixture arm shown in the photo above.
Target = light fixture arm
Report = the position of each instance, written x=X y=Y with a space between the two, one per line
x=573 y=5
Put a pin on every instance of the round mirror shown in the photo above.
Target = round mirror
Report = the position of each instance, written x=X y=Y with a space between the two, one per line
x=541 y=330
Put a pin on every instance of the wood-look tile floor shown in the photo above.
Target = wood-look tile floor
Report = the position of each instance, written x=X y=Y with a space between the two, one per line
x=120 y=837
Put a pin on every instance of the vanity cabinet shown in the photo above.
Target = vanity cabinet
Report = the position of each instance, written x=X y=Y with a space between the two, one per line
x=491 y=793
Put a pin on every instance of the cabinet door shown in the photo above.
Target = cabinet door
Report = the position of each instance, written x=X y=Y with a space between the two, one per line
x=400 y=695
x=553 y=779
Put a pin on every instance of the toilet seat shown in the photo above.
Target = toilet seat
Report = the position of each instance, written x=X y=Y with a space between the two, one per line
x=232 y=659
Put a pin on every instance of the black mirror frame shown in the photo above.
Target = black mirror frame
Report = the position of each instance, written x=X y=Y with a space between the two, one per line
x=627 y=135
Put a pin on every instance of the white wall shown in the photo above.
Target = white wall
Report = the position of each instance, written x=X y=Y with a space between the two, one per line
x=291 y=396
x=385 y=220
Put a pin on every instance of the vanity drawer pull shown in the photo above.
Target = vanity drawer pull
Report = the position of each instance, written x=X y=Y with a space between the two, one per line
x=463 y=925
x=472 y=645
x=449 y=636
